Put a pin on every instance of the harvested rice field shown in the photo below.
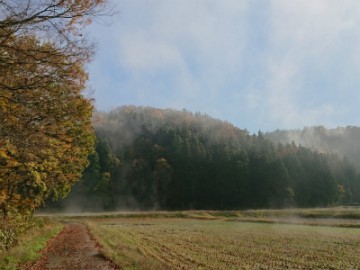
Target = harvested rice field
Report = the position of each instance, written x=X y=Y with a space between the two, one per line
x=224 y=243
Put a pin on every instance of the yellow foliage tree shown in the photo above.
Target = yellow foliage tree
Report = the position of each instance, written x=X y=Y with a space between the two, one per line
x=46 y=132
x=45 y=120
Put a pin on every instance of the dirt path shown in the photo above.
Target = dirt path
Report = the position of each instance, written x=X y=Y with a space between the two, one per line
x=72 y=248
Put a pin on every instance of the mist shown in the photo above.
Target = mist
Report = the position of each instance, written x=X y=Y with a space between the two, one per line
x=343 y=141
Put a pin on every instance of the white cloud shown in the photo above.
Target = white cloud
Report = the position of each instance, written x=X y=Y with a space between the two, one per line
x=281 y=63
x=139 y=53
x=253 y=98
x=200 y=40
x=307 y=36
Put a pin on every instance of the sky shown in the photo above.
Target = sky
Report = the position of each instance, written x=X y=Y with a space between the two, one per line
x=258 y=64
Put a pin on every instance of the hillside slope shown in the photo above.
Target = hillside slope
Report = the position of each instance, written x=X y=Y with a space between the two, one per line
x=148 y=158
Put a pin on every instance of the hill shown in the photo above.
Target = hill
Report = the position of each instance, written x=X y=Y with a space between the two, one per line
x=148 y=158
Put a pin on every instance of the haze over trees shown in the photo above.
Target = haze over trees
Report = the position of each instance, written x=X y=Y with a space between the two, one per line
x=343 y=141
x=45 y=120
x=149 y=158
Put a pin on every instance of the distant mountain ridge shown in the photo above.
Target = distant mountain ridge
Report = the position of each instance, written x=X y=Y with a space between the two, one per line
x=344 y=141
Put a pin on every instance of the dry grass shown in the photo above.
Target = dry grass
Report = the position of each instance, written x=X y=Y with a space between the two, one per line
x=192 y=243
x=318 y=213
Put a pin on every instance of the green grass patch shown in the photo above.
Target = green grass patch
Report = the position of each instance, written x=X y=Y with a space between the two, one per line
x=30 y=244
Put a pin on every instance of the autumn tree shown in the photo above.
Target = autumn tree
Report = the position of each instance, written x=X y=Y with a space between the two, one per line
x=45 y=126
x=59 y=22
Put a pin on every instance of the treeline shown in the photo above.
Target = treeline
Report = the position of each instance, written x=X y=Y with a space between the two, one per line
x=164 y=159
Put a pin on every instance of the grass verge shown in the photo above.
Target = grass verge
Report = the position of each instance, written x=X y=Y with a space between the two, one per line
x=30 y=244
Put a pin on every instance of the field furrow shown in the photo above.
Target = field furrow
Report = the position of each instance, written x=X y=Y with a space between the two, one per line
x=170 y=243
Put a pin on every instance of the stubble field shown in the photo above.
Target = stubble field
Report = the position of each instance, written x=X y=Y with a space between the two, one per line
x=221 y=242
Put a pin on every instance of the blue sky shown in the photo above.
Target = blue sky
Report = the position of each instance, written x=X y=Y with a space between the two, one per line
x=259 y=64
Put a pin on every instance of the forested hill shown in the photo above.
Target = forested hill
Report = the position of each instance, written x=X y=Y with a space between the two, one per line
x=149 y=158
x=344 y=141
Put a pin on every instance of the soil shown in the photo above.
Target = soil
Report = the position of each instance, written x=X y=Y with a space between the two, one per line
x=73 y=248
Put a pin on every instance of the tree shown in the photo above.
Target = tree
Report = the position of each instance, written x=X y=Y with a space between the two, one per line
x=46 y=136
x=56 y=22
x=45 y=125
x=162 y=176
